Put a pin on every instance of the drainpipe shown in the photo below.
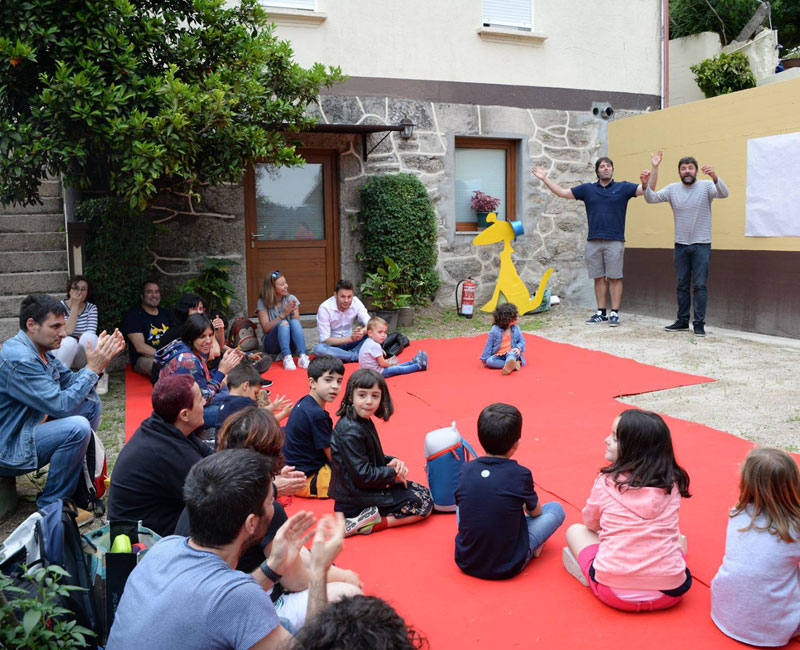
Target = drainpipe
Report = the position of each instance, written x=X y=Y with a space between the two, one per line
x=664 y=53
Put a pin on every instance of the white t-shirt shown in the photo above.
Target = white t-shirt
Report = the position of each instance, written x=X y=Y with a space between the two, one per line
x=369 y=353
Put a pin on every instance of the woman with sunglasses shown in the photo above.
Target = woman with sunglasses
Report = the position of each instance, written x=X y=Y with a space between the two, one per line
x=279 y=315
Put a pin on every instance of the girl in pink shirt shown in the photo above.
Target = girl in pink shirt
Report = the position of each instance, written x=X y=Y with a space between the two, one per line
x=629 y=551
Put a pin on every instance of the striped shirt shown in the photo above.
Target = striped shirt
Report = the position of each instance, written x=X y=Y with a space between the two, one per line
x=691 y=208
x=87 y=321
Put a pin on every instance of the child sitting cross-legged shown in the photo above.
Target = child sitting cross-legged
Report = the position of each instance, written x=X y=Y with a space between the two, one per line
x=371 y=355
x=505 y=343
x=501 y=524
x=308 y=432
x=369 y=487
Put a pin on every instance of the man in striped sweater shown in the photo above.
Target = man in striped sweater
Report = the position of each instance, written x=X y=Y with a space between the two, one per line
x=691 y=208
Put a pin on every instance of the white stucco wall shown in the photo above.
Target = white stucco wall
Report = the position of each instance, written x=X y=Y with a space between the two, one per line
x=612 y=46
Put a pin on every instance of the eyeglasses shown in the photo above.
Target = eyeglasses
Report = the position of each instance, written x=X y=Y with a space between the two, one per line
x=274 y=275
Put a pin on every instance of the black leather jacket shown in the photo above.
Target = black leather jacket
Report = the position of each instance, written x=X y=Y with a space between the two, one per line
x=361 y=475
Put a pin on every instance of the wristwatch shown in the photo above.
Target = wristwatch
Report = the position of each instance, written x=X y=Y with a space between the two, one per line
x=273 y=577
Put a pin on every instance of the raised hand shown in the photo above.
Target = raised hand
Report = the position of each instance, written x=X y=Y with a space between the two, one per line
x=708 y=170
x=218 y=323
x=656 y=158
x=280 y=407
x=644 y=177
x=540 y=173
x=289 y=481
x=108 y=346
x=230 y=360
x=289 y=539
x=328 y=542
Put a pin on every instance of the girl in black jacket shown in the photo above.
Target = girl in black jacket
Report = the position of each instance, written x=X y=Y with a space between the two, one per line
x=370 y=488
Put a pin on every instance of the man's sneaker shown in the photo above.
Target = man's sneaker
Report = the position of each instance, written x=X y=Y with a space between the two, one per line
x=572 y=566
x=613 y=319
x=363 y=523
x=509 y=366
x=678 y=326
x=302 y=361
x=288 y=363
x=102 y=384
x=699 y=329
x=597 y=318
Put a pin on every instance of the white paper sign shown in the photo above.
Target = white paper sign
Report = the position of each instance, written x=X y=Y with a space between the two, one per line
x=772 y=206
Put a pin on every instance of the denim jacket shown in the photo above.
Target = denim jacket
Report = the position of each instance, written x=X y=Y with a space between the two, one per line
x=29 y=390
x=496 y=336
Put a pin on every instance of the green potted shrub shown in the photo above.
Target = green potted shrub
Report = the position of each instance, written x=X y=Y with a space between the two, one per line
x=383 y=289
x=723 y=74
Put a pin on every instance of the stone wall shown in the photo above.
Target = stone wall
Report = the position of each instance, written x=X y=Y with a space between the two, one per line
x=566 y=143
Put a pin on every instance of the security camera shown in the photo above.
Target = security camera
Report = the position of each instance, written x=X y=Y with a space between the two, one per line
x=602 y=110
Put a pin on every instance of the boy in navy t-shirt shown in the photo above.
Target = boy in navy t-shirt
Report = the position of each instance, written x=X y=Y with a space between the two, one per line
x=309 y=429
x=244 y=385
x=496 y=538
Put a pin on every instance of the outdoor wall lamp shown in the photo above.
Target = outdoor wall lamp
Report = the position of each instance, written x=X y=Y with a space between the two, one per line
x=408 y=128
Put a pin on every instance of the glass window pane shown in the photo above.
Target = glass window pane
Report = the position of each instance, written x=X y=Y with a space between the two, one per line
x=479 y=169
x=512 y=13
x=290 y=202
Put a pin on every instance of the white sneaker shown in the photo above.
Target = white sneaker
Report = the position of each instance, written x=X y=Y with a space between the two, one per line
x=302 y=361
x=288 y=363
x=102 y=384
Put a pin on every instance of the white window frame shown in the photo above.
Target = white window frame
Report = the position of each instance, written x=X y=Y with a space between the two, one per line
x=491 y=9
x=300 y=5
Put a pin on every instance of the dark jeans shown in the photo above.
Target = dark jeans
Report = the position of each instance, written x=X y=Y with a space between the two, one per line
x=691 y=269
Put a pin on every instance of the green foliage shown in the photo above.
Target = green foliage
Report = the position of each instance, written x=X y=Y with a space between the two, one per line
x=134 y=95
x=723 y=74
x=118 y=256
x=44 y=623
x=213 y=285
x=728 y=17
x=397 y=221
x=383 y=286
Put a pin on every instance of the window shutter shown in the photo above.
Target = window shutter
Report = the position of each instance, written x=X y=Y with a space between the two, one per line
x=508 y=13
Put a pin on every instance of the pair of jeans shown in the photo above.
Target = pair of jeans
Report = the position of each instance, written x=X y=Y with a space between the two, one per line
x=283 y=337
x=63 y=443
x=541 y=528
x=497 y=361
x=347 y=352
x=404 y=368
x=691 y=270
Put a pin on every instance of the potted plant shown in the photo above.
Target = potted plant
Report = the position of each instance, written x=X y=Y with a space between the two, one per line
x=791 y=59
x=483 y=204
x=382 y=287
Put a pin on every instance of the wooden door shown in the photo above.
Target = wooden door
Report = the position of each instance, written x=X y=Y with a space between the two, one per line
x=292 y=225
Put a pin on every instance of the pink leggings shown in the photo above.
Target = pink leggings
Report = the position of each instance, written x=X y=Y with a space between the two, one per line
x=607 y=595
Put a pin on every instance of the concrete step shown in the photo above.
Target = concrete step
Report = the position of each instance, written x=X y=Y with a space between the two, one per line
x=50 y=222
x=33 y=282
x=9 y=305
x=49 y=205
x=8 y=328
x=23 y=262
x=32 y=241
x=50 y=187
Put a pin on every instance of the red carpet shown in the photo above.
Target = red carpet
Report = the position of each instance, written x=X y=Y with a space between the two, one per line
x=567 y=397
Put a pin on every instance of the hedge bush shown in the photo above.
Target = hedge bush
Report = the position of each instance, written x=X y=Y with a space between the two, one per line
x=397 y=220
x=723 y=74
x=118 y=256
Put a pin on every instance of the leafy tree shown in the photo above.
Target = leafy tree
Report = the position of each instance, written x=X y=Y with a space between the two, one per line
x=728 y=17
x=135 y=96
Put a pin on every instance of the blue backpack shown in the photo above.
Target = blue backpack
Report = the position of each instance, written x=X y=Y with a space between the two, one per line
x=445 y=452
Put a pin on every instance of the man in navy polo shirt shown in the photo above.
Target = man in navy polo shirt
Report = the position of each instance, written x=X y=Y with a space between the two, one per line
x=606 y=204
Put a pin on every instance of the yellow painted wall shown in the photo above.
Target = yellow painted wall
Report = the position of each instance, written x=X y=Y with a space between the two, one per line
x=715 y=131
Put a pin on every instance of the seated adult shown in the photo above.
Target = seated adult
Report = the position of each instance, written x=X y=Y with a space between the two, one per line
x=245 y=389
x=335 y=319
x=147 y=481
x=278 y=314
x=47 y=411
x=143 y=328
x=186 y=593
x=256 y=429
x=359 y=622
x=80 y=325
x=189 y=356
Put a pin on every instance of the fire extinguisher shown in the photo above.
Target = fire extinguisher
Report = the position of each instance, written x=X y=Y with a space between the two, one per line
x=465 y=291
